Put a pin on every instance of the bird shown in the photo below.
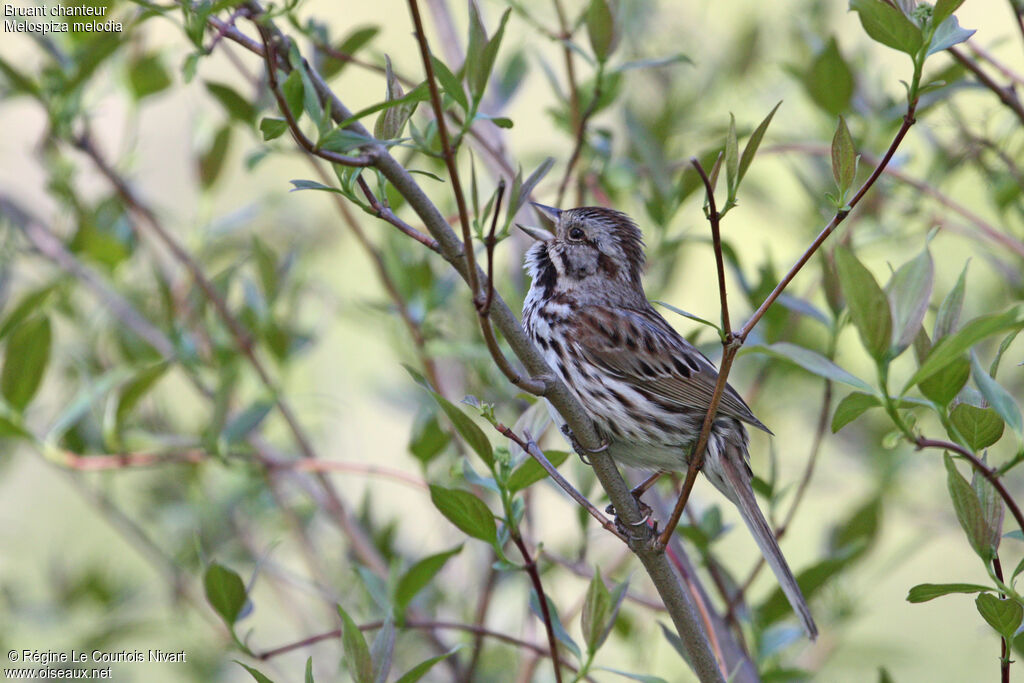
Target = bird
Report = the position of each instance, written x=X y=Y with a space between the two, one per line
x=640 y=382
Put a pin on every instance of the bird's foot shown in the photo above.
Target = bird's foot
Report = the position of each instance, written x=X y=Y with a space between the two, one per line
x=584 y=453
x=645 y=516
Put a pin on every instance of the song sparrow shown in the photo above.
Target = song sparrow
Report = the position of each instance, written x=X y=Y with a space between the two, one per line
x=637 y=378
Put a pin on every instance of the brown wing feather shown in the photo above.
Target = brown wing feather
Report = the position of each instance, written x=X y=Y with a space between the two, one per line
x=641 y=348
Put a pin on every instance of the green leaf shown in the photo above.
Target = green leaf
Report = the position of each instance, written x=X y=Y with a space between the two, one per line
x=211 y=161
x=294 y=93
x=25 y=359
x=419 y=575
x=246 y=421
x=133 y=392
x=147 y=76
x=829 y=81
x=309 y=670
x=272 y=127
x=968 y=510
x=691 y=316
x=851 y=407
x=949 y=310
x=944 y=8
x=475 y=46
x=997 y=397
x=9 y=428
x=30 y=303
x=390 y=123
x=260 y=678
x=449 y=83
x=342 y=140
x=312 y=185
x=812 y=361
x=420 y=670
x=350 y=45
x=464 y=425
x=382 y=651
x=980 y=427
x=886 y=24
x=909 y=291
x=556 y=623
x=991 y=507
x=601 y=29
x=643 y=678
x=869 y=309
x=225 y=592
x=236 y=106
x=466 y=511
x=357 y=654
x=947 y=35
x=1002 y=614
x=490 y=55
x=929 y=591
x=597 y=607
x=944 y=385
x=844 y=158
x=750 y=150
x=428 y=439
x=521 y=190
x=530 y=471
x=732 y=159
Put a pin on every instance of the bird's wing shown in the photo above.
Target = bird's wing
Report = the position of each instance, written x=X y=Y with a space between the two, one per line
x=641 y=348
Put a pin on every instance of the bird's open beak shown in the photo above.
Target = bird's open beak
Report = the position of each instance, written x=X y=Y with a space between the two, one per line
x=549 y=213
x=536 y=233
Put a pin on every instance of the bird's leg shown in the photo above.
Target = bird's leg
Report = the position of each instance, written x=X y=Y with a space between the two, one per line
x=584 y=453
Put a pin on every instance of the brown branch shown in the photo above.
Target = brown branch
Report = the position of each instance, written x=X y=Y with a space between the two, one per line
x=984 y=470
x=482 y=607
x=998 y=65
x=840 y=216
x=446 y=147
x=386 y=214
x=581 y=133
x=1006 y=95
x=542 y=600
x=537 y=454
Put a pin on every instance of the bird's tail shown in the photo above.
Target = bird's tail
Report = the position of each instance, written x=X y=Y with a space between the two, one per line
x=732 y=468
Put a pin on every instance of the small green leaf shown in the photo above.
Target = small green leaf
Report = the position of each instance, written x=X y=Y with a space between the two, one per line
x=420 y=670
x=949 y=310
x=419 y=575
x=25 y=360
x=829 y=81
x=597 y=607
x=464 y=425
x=391 y=122
x=944 y=385
x=428 y=439
x=601 y=29
x=466 y=511
x=490 y=55
x=944 y=8
x=947 y=35
x=272 y=127
x=147 y=76
x=260 y=678
x=237 y=106
x=851 y=407
x=449 y=83
x=844 y=158
x=382 y=651
x=351 y=44
x=10 y=428
x=475 y=46
x=750 y=150
x=521 y=190
x=909 y=291
x=245 y=422
x=357 y=654
x=929 y=591
x=312 y=185
x=886 y=24
x=812 y=361
x=30 y=303
x=951 y=347
x=133 y=392
x=997 y=397
x=1002 y=614
x=225 y=592
x=980 y=427
x=556 y=623
x=211 y=160
x=342 y=140
x=294 y=93
x=868 y=306
x=530 y=471
x=309 y=670
x=732 y=159
x=968 y=510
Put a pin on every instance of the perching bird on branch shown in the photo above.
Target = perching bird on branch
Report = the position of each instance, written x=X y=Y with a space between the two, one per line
x=639 y=380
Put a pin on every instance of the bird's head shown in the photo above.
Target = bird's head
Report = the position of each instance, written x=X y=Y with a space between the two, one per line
x=589 y=247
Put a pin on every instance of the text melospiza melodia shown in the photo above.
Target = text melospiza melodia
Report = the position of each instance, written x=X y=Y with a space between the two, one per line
x=638 y=379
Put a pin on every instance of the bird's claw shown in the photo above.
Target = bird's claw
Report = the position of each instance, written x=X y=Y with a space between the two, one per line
x=584 y=453
x=645 y=511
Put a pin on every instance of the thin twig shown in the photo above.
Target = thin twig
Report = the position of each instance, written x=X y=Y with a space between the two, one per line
x=531 y=447
x=482 y=607
x=1006 y=95
x=446 y=147
x=385 y=213
x=998 y=65
x=542 y=600
x=984 y=470
x=580 y=138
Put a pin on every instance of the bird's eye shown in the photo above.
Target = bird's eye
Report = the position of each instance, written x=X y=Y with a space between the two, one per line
x=576 y=234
